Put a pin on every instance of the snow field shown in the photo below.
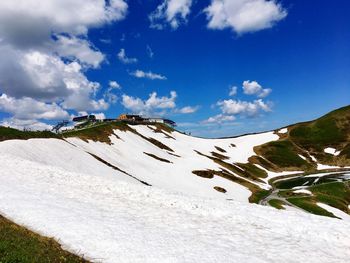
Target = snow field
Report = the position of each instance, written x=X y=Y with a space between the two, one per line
x=109 y=220
x=128 y=153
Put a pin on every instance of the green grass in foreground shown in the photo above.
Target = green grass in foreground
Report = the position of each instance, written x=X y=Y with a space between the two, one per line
x=19 y=245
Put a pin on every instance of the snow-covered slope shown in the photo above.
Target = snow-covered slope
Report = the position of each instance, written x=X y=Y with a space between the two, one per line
x=132 y=156
x=109 y=220
x=184 y=154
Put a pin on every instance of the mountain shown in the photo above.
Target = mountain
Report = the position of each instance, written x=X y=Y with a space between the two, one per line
x=110 y=188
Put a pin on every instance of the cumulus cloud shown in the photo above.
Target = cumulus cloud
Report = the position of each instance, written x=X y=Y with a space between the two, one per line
x=148 y=75
x=220 y=118
x=264 y=93
x=254 y=88
x=153 y=105
x=150 y=52
x=244 y=16
x=114 y=85
x=233 y=91
x=234 y=107
x=25 y=124
x=30 y=109
x=46 y=44
x=99 y=116
x=231 y=108
x=188 y=109
x=124 y=58
x=19 y=18
x=77 y=48
x=170 y=12
x=37 y=75
x=109 y=95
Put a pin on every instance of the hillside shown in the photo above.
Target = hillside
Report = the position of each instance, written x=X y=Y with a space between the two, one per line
x=239 y=168
x=302 y=143
x=136 y=182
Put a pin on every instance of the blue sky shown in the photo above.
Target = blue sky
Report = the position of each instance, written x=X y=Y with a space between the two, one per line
x=289 y=62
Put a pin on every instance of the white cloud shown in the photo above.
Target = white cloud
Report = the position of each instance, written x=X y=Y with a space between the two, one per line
x=244 y=16
x=124 y=58
x=19 y=124
x=150 y=52
x=233 y=91
x=188 y=109
x=79 y=89
x=149 y=75
x=220 y=118
x=109 y=95
x=234 y=107
x=99 y=116
x=264 y=93
x=251 y=87
x=153 y=105
x=77 y=48
x=46 y=44
x=19 y=18
x=172 y=12
x=105 y=40
x=30 y=109
x=114 y=85
x=254 y=88
x=46 y=77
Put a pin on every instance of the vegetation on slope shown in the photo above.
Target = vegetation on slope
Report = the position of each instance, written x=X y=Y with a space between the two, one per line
x=308 y=204
x=310 y=138
x=19 y=245
x=332 y=189
x=100 y=132
x=276 y=203
x=284 y=154
x=257 y=192
x=11 y=134
x=331 y=130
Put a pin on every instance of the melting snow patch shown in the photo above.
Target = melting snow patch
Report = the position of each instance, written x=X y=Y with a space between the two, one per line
x=302 y=157
x=332 y=151
x=283 y=131
x=321 y=174
x=313 y=158
x=324 y=166
x=334 y=211
x=274 y=174
x=302 y=191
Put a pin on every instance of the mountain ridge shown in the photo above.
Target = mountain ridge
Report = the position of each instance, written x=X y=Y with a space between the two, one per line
x=234 y=165
x=106 y=190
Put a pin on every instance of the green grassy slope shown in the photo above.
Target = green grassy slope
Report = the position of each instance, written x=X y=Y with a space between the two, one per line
x=332 y=189
x=331 y=130
x=19 y=245
x=10 y=134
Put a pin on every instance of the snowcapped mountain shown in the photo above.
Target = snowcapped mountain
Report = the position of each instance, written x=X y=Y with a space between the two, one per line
x=126 y=193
